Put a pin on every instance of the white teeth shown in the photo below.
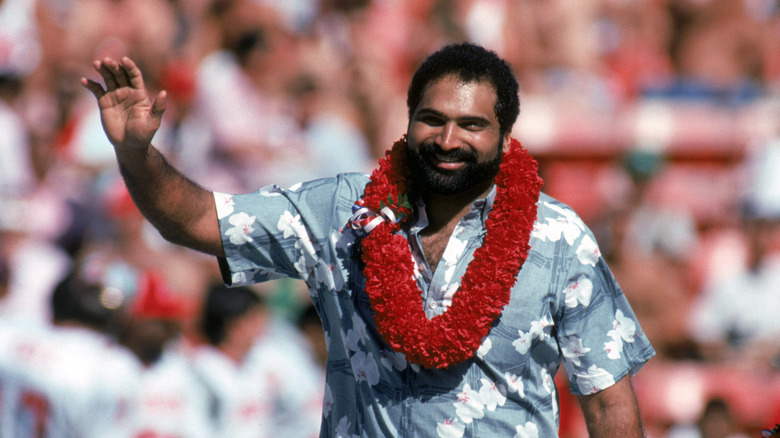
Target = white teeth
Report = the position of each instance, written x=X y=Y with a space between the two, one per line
x=446 y=158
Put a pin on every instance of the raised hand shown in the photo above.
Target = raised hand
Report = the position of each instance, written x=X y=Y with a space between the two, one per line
x=130 y=117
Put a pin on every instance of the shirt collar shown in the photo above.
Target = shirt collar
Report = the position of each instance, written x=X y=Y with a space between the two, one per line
x=479 y=209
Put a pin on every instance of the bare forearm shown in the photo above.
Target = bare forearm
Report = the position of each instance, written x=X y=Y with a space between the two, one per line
x=613 y=412
x=182 y=211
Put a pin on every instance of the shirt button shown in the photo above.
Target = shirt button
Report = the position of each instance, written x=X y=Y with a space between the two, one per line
x=432 y=305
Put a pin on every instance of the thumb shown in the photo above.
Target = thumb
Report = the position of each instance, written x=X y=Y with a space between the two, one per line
x=160 y=104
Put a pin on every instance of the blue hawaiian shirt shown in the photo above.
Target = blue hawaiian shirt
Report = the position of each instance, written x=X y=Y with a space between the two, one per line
x=565 y=308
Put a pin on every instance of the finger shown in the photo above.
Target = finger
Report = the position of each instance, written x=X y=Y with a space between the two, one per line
x=118 y=71
x=106 y=74
x=132 y=72
x=96 y=89
x=160 y=104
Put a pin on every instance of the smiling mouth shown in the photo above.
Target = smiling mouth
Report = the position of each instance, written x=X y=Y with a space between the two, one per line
x=447 y=162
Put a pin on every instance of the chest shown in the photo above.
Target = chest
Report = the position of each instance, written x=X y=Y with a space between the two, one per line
x=433 y=246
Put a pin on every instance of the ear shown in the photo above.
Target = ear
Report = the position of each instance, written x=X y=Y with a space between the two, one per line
x=507 y=142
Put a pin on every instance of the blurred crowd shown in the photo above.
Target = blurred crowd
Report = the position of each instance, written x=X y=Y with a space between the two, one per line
x=279 y=91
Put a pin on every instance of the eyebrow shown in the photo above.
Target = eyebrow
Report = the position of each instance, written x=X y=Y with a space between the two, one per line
x=429 y=111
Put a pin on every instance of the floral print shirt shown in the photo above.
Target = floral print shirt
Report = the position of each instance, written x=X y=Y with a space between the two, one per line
x=565 y=308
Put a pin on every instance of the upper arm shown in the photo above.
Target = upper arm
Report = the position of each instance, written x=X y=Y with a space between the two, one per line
x=612 y=412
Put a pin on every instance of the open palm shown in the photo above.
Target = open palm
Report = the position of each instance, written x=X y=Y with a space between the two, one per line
x=130 y=117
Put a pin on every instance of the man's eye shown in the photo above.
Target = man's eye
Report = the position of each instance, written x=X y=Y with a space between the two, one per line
x=472 y=125
x=432 y=121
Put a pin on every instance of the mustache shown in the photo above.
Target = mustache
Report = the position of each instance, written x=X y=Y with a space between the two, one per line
x=431 y=149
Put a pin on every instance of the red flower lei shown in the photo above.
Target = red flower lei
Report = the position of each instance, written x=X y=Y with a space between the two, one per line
x=455 y=335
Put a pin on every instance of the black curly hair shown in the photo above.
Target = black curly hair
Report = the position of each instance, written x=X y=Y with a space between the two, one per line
x=469 y=62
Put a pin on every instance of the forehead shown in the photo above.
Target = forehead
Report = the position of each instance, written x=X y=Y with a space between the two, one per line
x=454 y=94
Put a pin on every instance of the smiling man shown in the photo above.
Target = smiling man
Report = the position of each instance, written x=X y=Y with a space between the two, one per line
x=450 y=288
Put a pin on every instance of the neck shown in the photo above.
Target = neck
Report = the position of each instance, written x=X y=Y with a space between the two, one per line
x=446 y=210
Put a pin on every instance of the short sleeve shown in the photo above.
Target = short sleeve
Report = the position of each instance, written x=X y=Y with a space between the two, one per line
x=600 y=338
x=276 y=233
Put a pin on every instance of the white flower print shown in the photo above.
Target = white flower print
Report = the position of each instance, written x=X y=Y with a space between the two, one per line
x=594 y=380
x=359 y=326
x=342 y=429
x=271 y=191
x=547 y=380
x=327 y=401
x=351 y=340
x=448 y=273
x=567 y=213
x=579 y=291
x=572 y=349
x=449 y=291
x=530 y=430
x=483 y=349
x=225 y=204
x=291 y=226
x=492 y=395
x=365 y=368
x=514 y=384
x=452 y=253
x=469 y=405
x=238 y=278
x=393 y=359
x=239 y=234
x=555 y=228
x=539 y=330
x=523 y=343
x=613 y=349
x=588 y=252
x=450 y=429
x=325 y=276
x=624 y=329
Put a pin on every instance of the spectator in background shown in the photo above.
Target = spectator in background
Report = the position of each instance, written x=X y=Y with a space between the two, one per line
x=648 y=245
x=735 y=315
x=70 y=379
x=254 y=370
x=171 y=400
x=717 y=420
x=734 y=318
x=239 y=405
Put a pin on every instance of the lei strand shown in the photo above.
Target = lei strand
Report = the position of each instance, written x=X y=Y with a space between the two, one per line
x=455 y=335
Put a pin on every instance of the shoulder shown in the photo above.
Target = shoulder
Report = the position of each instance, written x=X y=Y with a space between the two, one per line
x=555 y=216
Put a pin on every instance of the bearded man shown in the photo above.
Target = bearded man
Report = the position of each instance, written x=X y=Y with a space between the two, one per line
x=450 y=288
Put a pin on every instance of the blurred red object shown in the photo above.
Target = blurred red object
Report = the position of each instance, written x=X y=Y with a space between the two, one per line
x=156 y=300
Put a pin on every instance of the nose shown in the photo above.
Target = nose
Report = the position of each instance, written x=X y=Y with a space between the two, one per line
x=448 y=137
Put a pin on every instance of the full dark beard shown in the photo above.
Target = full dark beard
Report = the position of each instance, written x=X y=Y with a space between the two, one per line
x=450 y=182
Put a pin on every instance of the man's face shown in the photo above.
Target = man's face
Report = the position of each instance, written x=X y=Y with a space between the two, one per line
x=454 y=138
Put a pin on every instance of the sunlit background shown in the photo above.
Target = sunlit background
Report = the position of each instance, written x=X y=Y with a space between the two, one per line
x=657 y=120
